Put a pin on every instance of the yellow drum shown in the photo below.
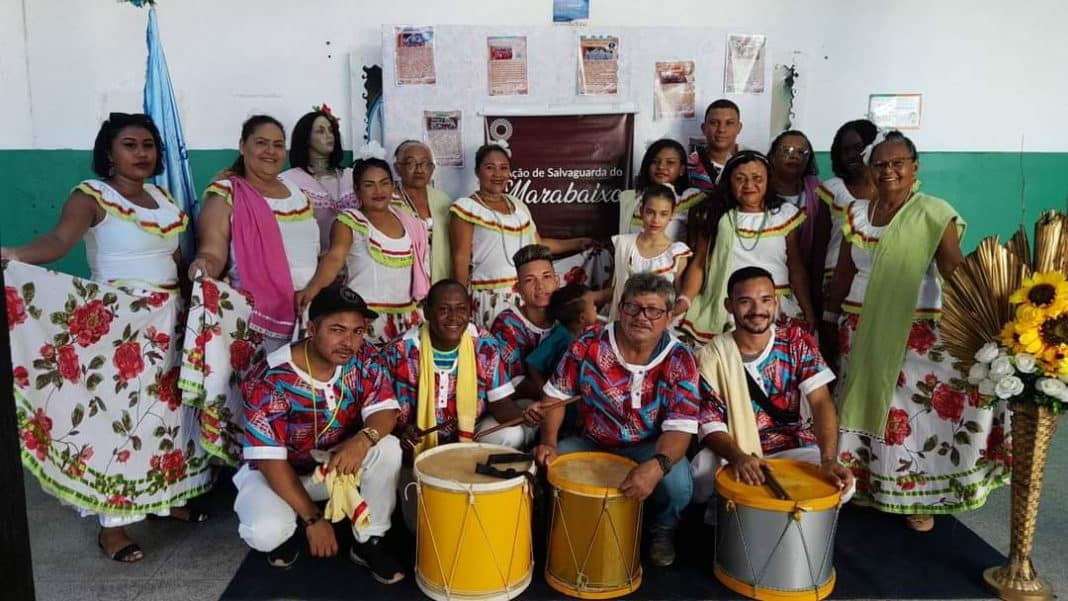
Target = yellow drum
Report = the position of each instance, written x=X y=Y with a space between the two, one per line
x=473 y=539
x=594 y=532
x=770 y=548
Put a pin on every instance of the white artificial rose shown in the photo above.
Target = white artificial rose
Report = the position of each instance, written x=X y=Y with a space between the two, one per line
x=987 y=353
x=978 y=373
x=1001 y=368
x=1008 y=387
x=986 y=388
x=1052 y=387
x=1026 y=363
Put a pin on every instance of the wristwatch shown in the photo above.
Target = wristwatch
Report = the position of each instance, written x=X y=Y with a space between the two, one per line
x=664 y=462
x=371 y=435
x=315 y=517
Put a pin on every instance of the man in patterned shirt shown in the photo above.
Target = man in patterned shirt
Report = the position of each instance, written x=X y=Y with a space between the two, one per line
x=322 y=400
x=448 y=326
x=781 y=365
x=639 y=399
x=520 y=329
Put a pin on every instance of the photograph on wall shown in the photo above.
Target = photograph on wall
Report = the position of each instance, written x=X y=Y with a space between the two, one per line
x=674 y=95
x=414 y=49
x=744 y=71
x=598 y=65
x=572 y=12
x=442 y=131
x=507 y=66
x=895 y=111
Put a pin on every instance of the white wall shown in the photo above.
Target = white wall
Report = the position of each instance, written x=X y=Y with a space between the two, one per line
x=990 y=71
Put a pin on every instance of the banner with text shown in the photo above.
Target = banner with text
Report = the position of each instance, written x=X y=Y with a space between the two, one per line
x=569 y=169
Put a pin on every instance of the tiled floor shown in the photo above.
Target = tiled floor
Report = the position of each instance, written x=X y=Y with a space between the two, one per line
x=190 y=562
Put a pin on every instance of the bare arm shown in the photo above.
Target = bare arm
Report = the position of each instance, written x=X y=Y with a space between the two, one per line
x=642 y=480
x=549 y=432
x=821 y=237
x=680 y=271
x=348 y=456
x=80 y=213
x=747 y=468
x=832 y=304
x=460 y=234
x=799 y=277
x=504 y=410
x=213 y=238
x=694 y=275
x=825 y=425
x=948 y=256
x=566 y=246
x=329 y=265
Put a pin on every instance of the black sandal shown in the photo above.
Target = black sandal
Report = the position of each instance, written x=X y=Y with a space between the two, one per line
x=124 y=554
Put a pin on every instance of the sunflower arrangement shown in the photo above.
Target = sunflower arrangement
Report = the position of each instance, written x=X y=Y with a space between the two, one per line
x=1008 y=321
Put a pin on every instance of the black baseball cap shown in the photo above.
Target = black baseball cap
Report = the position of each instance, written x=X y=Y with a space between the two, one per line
x=335 y=300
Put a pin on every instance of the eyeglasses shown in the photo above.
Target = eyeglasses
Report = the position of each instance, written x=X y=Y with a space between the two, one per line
x=800 y=151
x=633 y=309
x=415 y=166
x=896 y=164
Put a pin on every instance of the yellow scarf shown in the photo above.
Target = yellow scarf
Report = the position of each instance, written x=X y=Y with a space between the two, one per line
x=466 y=390
x=721 y=366
x=345 y=500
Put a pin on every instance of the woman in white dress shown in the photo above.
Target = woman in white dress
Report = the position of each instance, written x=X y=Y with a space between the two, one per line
x=651 y=250
x=385 y=251
x=130 y=228
x=487 y=228
x=746 y=224
x=853 y=180
x=257 y=173
x=663 y=163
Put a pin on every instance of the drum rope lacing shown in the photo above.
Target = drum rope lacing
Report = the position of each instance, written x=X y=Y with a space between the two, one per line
x=795 y=517
x=463 y=531
x=582 y=580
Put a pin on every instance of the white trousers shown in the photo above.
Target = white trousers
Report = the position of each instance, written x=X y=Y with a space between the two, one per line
x=704 y=466
x=267 y=521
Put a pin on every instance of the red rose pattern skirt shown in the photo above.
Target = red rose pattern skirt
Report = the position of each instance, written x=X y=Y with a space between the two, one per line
x=945 y=448
x=220 y=348
x=101 y=421
x=392 y=321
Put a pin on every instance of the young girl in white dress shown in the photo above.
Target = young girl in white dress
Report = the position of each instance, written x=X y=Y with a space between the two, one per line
x=663 y=163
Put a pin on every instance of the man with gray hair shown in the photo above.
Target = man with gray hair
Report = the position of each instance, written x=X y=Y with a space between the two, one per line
x=414 y=164
x=639 y=389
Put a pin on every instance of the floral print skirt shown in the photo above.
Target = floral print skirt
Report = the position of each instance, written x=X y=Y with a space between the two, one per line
x=487 y=304
x=100 y=418
x=392 y=322
x=945 y=447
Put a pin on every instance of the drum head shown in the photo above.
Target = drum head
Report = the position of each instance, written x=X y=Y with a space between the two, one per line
x=802 y=481
x=591 y=473
x=456 y=463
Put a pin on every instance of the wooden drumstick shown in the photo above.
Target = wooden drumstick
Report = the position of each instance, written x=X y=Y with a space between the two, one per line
x=774 y=486
x=518 y=420
x=445 y=424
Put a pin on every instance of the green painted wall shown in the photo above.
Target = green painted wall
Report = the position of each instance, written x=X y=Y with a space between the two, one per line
x=984 y=186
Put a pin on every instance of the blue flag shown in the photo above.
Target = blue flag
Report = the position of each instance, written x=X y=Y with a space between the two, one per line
x=159 y=102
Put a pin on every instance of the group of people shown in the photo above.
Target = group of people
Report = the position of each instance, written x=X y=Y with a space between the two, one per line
x=754 y=311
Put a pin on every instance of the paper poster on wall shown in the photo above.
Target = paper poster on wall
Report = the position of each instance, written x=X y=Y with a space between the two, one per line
x=507 y=65
x=598 y=65
x=414 y=50
x=573 y=12
x=442 y=131
x=674 y=94
x=895 y=111
x=744 y=71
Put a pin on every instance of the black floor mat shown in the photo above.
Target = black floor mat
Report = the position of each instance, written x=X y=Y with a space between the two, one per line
x=876 y=557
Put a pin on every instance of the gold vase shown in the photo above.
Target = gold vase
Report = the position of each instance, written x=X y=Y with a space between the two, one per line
x=1032 y=429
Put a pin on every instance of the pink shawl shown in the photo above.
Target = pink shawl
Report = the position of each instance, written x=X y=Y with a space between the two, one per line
x=420 y=249
x=262 y=262
x=811 y=205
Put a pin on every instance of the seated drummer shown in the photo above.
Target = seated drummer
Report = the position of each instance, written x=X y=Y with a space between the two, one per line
x=753 y=380
x=520 y=329
x=639 y=392
x=324 y=399
x=460 y=385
